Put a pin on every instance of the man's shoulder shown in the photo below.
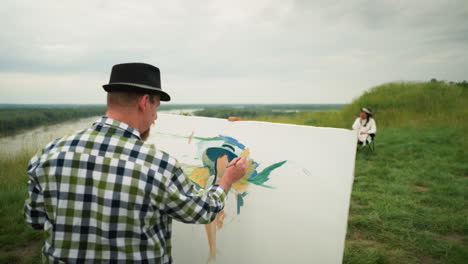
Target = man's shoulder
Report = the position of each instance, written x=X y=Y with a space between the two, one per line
x=159 y=157
x=53 y=147
x=71 y=138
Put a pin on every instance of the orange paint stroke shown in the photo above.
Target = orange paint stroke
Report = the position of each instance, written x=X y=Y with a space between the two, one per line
x=191 y=137
x=211 y=230
x=211 y=233
x=234 y=118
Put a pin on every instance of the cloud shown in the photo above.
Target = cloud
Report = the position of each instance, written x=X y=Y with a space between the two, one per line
x=32 y=88
x=324 y=51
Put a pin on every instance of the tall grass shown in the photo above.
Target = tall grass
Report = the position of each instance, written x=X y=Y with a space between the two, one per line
x=397 y=104
x=413 y=103
x=18 y=242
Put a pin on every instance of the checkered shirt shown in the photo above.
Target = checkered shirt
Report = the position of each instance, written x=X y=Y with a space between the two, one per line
x=105 y=196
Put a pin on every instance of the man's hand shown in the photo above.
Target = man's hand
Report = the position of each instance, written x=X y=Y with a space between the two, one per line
x=235 y=170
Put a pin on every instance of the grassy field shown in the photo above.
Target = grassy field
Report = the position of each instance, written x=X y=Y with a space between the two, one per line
x=18 y=242
x=408 y=203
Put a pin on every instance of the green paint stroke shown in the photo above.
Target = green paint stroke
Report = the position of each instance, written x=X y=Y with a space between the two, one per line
x=240 y=201
x=172 y=135
x=263 y=176
x=208 y=139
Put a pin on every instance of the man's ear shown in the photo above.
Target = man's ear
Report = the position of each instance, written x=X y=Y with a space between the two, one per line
x=142 y=102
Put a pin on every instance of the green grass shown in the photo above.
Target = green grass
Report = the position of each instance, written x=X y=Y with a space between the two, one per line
x=18 y=242
x=408 y=203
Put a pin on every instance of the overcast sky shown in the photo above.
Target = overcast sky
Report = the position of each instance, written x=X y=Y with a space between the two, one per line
x=253 y=51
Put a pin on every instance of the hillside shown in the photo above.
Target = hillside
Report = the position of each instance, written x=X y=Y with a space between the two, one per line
x=394 y=104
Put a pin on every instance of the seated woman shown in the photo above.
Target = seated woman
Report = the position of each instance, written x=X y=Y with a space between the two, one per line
x=365 y=126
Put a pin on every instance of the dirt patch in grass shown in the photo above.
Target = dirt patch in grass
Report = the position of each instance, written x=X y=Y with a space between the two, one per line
x=361 y=238
x=457 y=238
x=421 y=188
x=427 y=260
x=356 y=204
x=25 y=253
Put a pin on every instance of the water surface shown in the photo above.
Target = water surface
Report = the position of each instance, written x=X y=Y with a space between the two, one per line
x=38 y=137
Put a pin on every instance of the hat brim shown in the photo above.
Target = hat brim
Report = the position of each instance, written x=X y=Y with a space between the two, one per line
x=214 y=153
x=367 y=112
x=135 y=87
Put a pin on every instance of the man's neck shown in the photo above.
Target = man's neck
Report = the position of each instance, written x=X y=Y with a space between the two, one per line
x=124 y=116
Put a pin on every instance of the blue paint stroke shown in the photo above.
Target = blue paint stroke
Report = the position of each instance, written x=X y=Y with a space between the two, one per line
x=233 y=141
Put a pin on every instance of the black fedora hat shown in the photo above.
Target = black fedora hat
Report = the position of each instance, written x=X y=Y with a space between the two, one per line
x=136 y=77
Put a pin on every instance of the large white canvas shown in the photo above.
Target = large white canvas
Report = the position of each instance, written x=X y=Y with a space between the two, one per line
x=302 y=220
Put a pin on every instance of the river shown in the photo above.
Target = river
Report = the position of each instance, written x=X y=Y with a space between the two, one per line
x=37 y=138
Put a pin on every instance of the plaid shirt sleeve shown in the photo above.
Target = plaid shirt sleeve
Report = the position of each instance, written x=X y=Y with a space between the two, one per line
x=34 y=211
x=185 y=203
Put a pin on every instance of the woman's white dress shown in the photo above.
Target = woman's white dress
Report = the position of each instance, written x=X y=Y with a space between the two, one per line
x=361 y=126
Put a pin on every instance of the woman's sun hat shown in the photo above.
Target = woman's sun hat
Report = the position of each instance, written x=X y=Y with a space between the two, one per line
x=366 y=110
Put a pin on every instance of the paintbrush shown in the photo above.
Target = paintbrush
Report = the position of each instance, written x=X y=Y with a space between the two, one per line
x=234 y=164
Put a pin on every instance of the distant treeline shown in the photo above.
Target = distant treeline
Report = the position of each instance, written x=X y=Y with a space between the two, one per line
x=14 y=118
x=170 y=106
x=251 y=111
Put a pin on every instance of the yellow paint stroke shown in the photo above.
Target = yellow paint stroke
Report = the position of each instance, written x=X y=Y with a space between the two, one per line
x=199 y=175
x=245 y=153
x=242 y=185
x=207 y=161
